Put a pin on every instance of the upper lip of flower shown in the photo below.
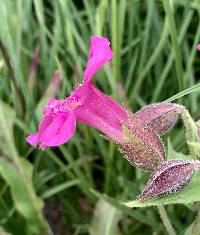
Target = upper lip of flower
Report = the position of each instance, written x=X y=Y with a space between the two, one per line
x=100 y=54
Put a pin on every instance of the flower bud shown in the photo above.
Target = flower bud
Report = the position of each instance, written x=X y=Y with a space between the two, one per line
x=170 y=177
x=161 y=117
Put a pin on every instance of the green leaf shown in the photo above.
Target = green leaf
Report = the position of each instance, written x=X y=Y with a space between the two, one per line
x=3 y=232
x=117 y=203
x=191 y=132
x=17 y=172
x=7 y=116
x=25 y=199
x=172 y=154
x=106 y=218
x=195 y=146
x=191 y=127
x=198 y=123
x=189 y=194
x=185 y=92
x=51 y=91
x=58 y=188
x=194 y=228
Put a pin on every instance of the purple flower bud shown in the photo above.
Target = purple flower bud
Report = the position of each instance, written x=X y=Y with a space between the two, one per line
x=161 y=117
x=141 y=145
x=170 y=177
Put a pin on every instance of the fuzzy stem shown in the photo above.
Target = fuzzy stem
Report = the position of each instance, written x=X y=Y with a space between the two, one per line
x=165 y=220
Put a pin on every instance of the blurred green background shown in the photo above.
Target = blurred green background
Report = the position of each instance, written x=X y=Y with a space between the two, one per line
x=78 y=188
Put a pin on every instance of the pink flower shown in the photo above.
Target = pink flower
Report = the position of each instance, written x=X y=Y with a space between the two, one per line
x=198 y=47
x=140 y=144
x=86 y=104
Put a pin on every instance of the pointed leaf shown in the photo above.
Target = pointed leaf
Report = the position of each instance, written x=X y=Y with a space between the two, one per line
x=7 y=116
x=191 y=132
x=194 y=228
x=172 y=154
x=51 y=91
x=195 y=146
x=3 y=231
x=17 y=172
x=26 y=202
x=106 y=218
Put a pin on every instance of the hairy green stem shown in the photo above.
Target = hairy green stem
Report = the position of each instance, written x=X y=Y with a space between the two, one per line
x=165 y=220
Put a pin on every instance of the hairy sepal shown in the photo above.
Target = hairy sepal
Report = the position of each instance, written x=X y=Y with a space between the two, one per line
x=161 y=117
x=169 y=178
x=141 y=146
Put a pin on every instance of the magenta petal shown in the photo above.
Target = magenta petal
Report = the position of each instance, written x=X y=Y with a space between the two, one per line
x=198 y=47
x=59 y=131
x=100 y=54
x=102 y=112
x=32 y=139
x=46 y=121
